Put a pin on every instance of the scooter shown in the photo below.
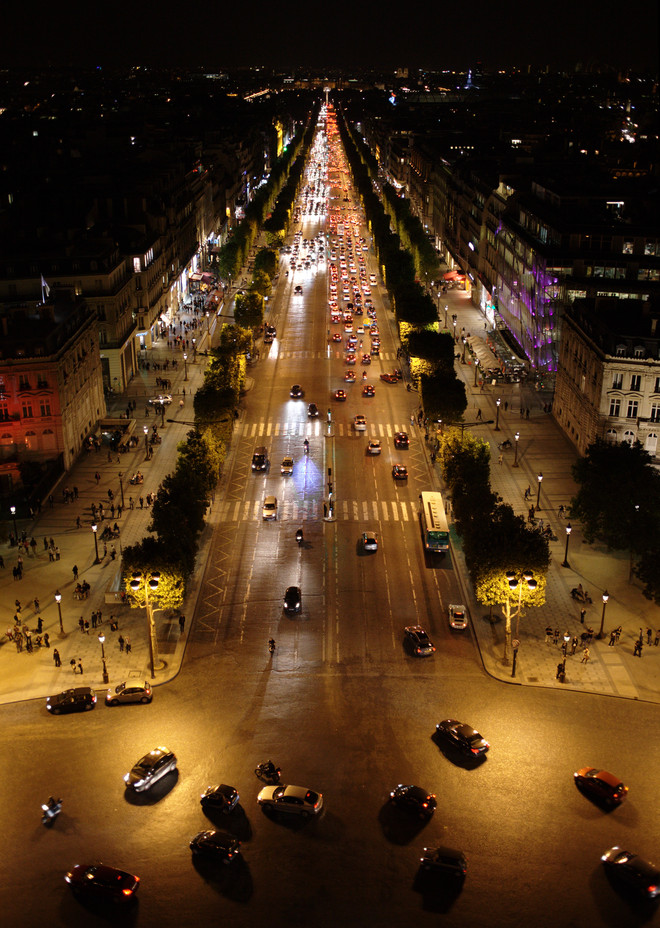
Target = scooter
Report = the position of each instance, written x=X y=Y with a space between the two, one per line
x=581 y=595
x=306 y=446
x=51 y=810
x=299 y=537
x=268 y=772
x=505 y=445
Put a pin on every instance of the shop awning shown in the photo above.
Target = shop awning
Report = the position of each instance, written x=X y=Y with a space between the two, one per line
x=451 y=275
x=208 y=278
x=195 y=277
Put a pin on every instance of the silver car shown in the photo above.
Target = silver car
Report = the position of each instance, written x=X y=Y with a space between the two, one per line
x=150 y=769
x=295 y=800
x=129 y=692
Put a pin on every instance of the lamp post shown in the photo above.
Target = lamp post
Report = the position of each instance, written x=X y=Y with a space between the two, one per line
x=565 y=563
x=185 y=366
x=516 y=582
x=515 y=459
x=58 y=600
x=194 y=341
x=146 y=440
x=106 y=678
x=497 y=414
x=446 y=308
x=149 y=582
x=464 y=347
x=539 y=477
x=95 y=527
x=121 y=488
x=476 y=371
x=606 y=596
x=12 y=509
x=455 y=321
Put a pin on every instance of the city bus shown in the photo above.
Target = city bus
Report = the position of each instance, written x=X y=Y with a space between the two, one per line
x=435 y=530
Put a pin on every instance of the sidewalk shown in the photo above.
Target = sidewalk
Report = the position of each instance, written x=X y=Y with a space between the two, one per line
x=543 y=449
x=27 y=675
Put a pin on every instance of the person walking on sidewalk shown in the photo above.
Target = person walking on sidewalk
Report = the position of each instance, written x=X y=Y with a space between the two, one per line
x=500 y=459
x=127 y=644
x=649 y=635
x=612 y=640
x=574 y=644
x=657 y=638
x=585 y=656
x=80 y=667
x=182 y=623
x=583 y=613
x=74 y=570
x=637 y=650
x=56 y=658
x=120 y=642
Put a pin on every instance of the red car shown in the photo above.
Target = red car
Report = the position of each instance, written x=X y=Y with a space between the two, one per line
x=103 y=882
x=389 y=378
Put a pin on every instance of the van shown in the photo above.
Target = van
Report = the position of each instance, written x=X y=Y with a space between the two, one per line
x=260 y=459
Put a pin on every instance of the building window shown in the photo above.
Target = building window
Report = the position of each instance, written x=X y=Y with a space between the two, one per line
x=615 y=406
x=27 y=410
x=617 y=381
x=611 y=435
x=23 y=382
x=655 y=412
x=627 y=248
x=636 y=382
x=633 y=406
x=44 y=408
x=4 y=412
x=629 y=437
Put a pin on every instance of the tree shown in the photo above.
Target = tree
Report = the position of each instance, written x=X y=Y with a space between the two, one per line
x=261 y=284
x=147 y=557
x=443 y=396
x=249 y=310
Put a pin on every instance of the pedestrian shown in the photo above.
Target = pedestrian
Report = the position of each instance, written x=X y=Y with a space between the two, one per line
x=97 y=477
x=574 y=644
x=478 y=415
x=57 y=553
x=74 y=570
x=637 y=649
x=548 y=633
x=506 y=406
x=527 y=414
x=18 y=606
x=46 y=640
x=40 y=625
x=81 y=623
x=141 y=502
x=72 y=662
x=77 y=521
x=649 y=635
x=657 y=638
x=555 y=636
x=86 y=627
x=56 y=658
x=564 y=647
x=583 y=613
x=120 y=641
x=500 y=459
x=528 y=493
x=131 y=504
x=585 y=656
x=522 y=412
x=182 y=623
x=612 y=640
x=80 y=668
x=560 y=512
x=113 y=552
x=93 y=619
x=127 y=645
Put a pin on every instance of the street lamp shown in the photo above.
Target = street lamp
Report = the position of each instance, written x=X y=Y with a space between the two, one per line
x=58 y=600
x=121 y=487
x=146 y=440
x=539 y=477
x=149 y=582
x=194 y=348
x=476 y=370
x=185 y=366
x=497 y=415
x=446 y=308
x=106 y=678
x=12 y=509
x=606 y=596
x=515 y=459
x=516 y=582
x=97 y=560
x=464 y=347
x=565 y=563
x=455 y=321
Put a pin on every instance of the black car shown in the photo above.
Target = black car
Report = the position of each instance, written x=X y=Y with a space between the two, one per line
x=401 y=440
x=418 y=641
x=641 y=875
x=296 y=391
x=312 y=410
x=463 y=737
x=78 y=699
x=292 y=600
x=414 y=799
x=223 y=798
x=216 y=844
x=444 y=860
x=102 y=882
x=150 y=769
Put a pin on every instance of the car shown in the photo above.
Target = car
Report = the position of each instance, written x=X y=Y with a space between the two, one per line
x=269 y=511
x=374 y=447
x=463 y=737
x=270 y=329
x=349 y=376
x=389 y=378
x=370 y=541
x=444 y=861
x=418 y=641
x=340 y=395
x=348 y=327
x=129 y=692
x=292 y=600
x=414 y=799
x=76 y=699
x=296 y=391
x=337 y=336
x=350 y=359
x=286 y=467
x=294 y=800
x=360 y=330
x=641 y=875
x=601 y=785
x=216 y=844
x=457 y=616
x=351 y=342
x=372 y=279
x=368 y=390
x=359 y=423
x=399 y=472
x=312 y=410
x=375 y=348
x=298 y=290
x=223 y=798
x=401 y=440
x=150 y=769
x=366 y=359
x=103 y=882
x=163 y=399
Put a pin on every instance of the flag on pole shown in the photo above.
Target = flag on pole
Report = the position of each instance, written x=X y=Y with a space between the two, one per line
x=45 y=290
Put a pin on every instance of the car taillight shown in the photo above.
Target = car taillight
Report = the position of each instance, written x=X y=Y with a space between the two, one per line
x=652 y=889
x=127 y=892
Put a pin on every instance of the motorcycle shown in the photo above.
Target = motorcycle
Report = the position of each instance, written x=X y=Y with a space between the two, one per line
x=505 y=445
x=268 y=772
x=549 y=534
x=306 y=446
x=299 y=537
x=51 y=810
x=581 y=595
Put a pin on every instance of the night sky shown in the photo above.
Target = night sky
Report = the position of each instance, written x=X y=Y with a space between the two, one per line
x=222 y=34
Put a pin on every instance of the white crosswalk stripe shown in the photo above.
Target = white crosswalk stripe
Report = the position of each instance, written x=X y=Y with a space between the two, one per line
x=346 y=510
x=317 y=428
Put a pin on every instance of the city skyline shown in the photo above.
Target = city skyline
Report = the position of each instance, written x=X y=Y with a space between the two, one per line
x=340 y=36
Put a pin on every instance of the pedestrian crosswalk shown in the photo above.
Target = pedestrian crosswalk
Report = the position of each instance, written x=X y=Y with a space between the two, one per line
x=312 y=510
x=331 y=353
x=319 y=428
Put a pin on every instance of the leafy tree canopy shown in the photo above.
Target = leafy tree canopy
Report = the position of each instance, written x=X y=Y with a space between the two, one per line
x=147 y=557
x=443 y=396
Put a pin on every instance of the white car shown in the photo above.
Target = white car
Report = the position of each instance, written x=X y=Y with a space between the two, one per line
x=370 y=541
x=162 y=399
x=457 y=616
x=269 y=510
x=286 y=468
x=295 y=800
x=374 y=447
x=360 y=423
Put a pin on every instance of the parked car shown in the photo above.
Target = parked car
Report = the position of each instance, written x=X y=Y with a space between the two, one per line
x=444 y=861
x=293 y=800
x=418 y=641
x=457 y=616
x=463 y=737
x=601 y=785
x=150 y=769
x=222 y=798
x=102 y=882
x=216 y=844
x=414 y=799
x=633 y=871
x=129 y=692
x=77 y=699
